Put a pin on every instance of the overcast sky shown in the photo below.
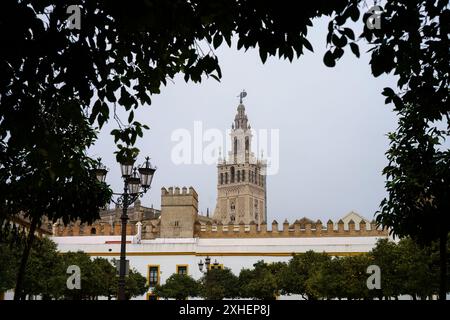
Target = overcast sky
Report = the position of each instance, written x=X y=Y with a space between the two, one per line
x=332 y=130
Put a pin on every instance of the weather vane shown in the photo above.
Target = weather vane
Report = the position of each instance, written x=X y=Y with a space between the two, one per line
x=242 y=95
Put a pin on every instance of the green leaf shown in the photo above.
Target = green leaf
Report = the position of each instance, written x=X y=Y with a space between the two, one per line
x=328 y=59
x=355 y=49
x=307 y=44
x=349 y=33
x=263 y=55
x=354 y=13
x=131 y=117
x=217 y=40
x=388 y=92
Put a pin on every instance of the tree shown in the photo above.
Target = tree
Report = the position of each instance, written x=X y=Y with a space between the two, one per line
x=135 y=284
x=326 y=280
x=259 y=282
x=418 y=185
x=105 y=277
x=44 y=273
x=179 y=287
x=99 y=278
x=355 y=276
x=418 y=279
x=387 y=256
x=89 y=285
x=7 y=267
x=411 y=40
x=298 y=270
x=218 y=284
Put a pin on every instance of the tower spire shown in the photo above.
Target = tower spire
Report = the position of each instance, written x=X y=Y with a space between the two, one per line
x=241 y=120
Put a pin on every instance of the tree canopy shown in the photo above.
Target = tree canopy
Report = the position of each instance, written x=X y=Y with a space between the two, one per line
x=46 y=273
x=178 y=286
x=59 y=84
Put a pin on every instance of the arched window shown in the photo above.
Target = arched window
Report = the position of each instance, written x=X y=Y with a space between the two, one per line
x=243 y=175
x=239 y=176
x=221 y=178
x=247 y=144
x=232 y=175
x=235 y=145
x=226 y=177
x=93 y=231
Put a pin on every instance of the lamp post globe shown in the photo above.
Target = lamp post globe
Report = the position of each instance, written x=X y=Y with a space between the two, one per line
x=100 y=171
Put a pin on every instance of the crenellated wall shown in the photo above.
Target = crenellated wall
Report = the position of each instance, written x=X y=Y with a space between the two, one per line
x=179 y=219
x=210 y=230
x=95 y=229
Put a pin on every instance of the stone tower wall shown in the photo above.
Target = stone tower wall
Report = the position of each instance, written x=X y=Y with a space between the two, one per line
x=179 y=209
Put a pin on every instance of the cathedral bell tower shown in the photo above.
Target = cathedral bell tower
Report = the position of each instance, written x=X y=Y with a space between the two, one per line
x=241 y=186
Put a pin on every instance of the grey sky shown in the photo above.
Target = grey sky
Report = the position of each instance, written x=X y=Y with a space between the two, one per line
x=332 y=122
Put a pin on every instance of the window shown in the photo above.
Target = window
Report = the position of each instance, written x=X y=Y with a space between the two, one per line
x=232 y=175
x=176 y=223
x=226 y=177
x=153 y=275
x=182 y=269
x=238 y=176
x=152 y=296
x=221 y=178
x=218 y=266
x=243 y=175
x=93 y=231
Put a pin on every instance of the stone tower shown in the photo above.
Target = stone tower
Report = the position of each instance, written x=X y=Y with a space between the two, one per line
x=179 y=211
x=241 y=186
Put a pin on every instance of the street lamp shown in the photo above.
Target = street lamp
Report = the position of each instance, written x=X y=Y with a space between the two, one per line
x=100 y=171
x=133 y=183
x=207 y=264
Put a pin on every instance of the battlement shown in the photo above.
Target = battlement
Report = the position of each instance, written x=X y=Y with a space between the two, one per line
x=98 y=228
x=179 y=197
x=297 y=229
x=175 y=191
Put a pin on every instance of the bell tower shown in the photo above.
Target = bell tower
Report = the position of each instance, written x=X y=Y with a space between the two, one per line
x=241 y=179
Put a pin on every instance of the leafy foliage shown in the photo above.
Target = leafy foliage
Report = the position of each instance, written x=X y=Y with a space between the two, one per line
x=46 y=275
x=217 y=284
x=299 y=269
x=260 y=282
x=178 y=286
x=7 y=267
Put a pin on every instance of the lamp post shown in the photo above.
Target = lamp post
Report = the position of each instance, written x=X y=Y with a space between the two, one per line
x=133 y=182
x=207 y=264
